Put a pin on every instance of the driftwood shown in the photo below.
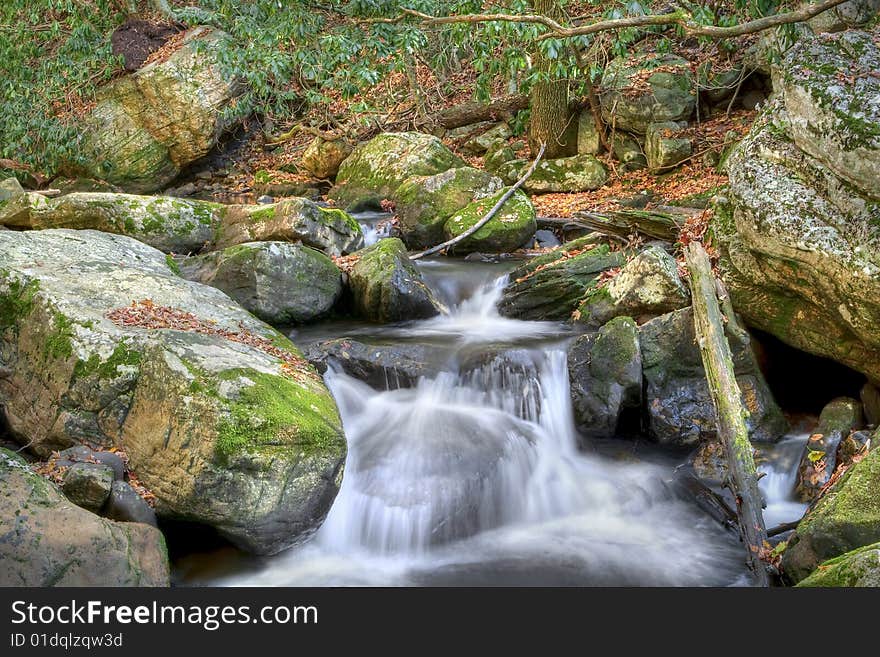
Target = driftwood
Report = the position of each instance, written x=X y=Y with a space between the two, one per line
x=730 y=413
x=623 y=223
x=690 y=487
x=491 y=213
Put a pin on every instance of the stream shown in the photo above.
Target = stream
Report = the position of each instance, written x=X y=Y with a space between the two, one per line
x=475 y=475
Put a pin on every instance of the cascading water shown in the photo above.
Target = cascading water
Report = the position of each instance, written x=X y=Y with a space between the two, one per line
x=473 y=475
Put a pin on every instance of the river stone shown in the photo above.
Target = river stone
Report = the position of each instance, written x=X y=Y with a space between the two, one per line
x=47 y=541
x=376 y=168
x=663 y=148
x=10 y=187
x=839 y=417
x=279 y=282
x=323 y=158
x=88 y=485
x=388 y=287
x=292 y=220
x=650 y=88
x=511 y=227
x=843 y=519
x=166 y=223
x=215 y=428
x=605 y=369
x=589 y=141
x=148 y=126
x=858 y=568
x=647 y=286
x=800 y=249
x=551 y=285
x=832 y=100
x=125 y=505
x=680 y=410
x=425 y=203
x=578 y=173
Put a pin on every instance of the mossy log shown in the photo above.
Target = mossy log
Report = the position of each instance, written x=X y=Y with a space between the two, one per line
x=729 y=408
x=623 y=223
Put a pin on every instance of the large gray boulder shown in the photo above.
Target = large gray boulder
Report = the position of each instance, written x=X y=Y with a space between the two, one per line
x=511 y=227
x=279 y=282
x=48 y=541
x=219 y=414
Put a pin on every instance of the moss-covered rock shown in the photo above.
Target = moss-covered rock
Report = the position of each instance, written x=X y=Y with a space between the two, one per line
x=605 y=369
x=323 y=158
x=497 y=156
x=589 y=141
x=148 y=126
x=388 y=287
x=509 y=229
x=647 y=286
x=218 y=413
x=166 y=223
x=425 y=203
x=845 y=518
x=665 y=149
x=579 y=173
x=279 y=282
x=376 y=168
x=677 y=396
x=858 y=568
x=480 y=143
x=628 y=151
x=648 y=88
x=294 y=219
x=47 y=541
x=551 y=285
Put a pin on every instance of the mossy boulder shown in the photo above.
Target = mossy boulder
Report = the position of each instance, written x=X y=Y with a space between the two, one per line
x=376 y=168
x=628 y=151
x=647 y=286
x=680 y=409
x=579 y=173
x=388 y=287
x=511 y=227
x=322 y=158
x=800 y=248
x=48 y=541
x=279 y=282
x=166 y=223
x=665 y=148
x=845 y=518
x=857 y=568
x=639 y=90
x=219 y=414
x=425 y=203
x=295 y=219
x=148 y=126
x=589 y=141
x=482 y=142
x=498 y=155
x=551 y=285
x=605 y=369
x=88 y=485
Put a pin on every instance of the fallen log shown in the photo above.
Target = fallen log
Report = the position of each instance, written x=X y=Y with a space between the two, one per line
x=623 y=223
x=468 y=113
x=730 y=412
x=691 y=488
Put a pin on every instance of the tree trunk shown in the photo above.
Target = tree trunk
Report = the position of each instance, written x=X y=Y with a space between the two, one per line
x=730 y=413
x=551 y=121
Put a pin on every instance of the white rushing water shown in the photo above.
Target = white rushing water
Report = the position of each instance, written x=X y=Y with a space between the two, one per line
x=474 y=476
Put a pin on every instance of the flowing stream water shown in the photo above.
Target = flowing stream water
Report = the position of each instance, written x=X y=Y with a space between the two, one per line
x=474 y=476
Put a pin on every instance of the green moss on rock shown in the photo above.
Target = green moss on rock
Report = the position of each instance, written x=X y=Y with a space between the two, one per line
x=509 y=229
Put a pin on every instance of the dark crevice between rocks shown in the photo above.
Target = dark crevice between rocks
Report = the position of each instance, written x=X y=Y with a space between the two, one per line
x=198 y=553
x=800 y=382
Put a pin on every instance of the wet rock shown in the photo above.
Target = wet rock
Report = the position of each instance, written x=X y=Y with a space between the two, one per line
x=376 y=168
x=83 y=454
x=509 y=229
x=838 y=419
x=292 y=220
x=647 y=286
x=166 y=223
x=680 y=410
x=279 y=282
x=216 y=428
x=148 y=126
x=870 y=396
x=605 y=369
x=551 y=285
x=855 y=444
x=425 y=203
x=323 y=158
x=642 y=89
x=47 y=541
x=709 y=462
x=388 y=287
x=843 y=519
x=858 y=568
x=125 y=505
x=665 y=149
x=88 y=485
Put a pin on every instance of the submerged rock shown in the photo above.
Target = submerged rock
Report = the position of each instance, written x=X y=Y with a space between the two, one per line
x=279 y=282
x=292 y=220
x=605 y=369
x=47 y=541
x=388 y=287
x=219 y=415
x=376 y=168
x=509 y=229
x=551 y=285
